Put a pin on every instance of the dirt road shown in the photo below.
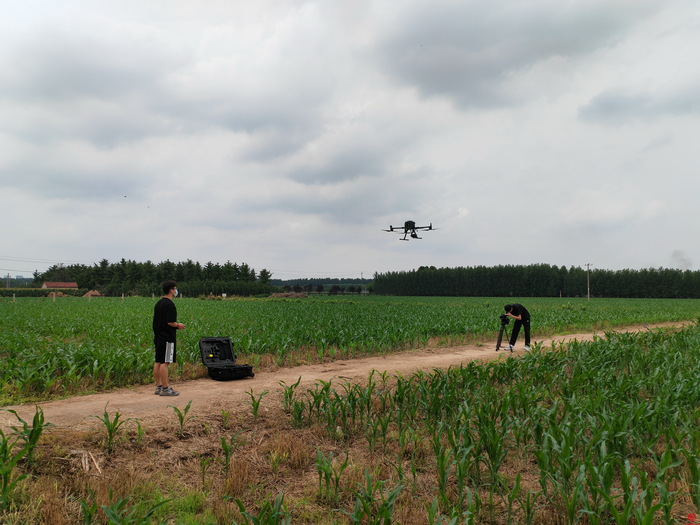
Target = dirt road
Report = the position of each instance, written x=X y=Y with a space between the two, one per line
x=210 y=396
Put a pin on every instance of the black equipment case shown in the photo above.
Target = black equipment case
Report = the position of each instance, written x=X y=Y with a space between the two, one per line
x=218 y=357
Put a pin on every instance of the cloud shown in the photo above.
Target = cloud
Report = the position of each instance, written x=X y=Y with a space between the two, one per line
x=680 y=260
x=659 y=142
x=473 y=52
x=606 y=210
x=623 y=105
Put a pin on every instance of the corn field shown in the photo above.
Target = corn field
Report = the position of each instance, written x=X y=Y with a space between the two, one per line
x=72 y=344
x=606 y=432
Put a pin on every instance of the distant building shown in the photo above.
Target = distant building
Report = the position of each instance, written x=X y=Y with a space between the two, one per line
x=19 y=276
x=60 y=285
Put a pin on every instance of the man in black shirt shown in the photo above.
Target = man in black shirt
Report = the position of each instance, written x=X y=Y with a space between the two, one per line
x=522 y=318
x=165 y=327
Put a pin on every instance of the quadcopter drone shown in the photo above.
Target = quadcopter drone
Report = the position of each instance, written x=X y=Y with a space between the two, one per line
x=409 y=228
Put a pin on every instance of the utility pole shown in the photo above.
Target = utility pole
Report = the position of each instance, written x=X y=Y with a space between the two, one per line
x=588 y=280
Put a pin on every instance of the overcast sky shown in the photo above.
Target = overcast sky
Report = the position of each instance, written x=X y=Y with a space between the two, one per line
x=288 y=134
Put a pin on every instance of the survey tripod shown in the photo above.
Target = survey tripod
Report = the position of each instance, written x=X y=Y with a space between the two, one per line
x=504 y=323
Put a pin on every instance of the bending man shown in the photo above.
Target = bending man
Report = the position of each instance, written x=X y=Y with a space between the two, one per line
x=522 y=318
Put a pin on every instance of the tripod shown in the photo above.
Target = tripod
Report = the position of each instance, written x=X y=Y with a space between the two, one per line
x=504 y=323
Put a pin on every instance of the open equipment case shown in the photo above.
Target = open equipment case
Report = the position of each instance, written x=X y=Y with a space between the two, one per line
x=217 y=355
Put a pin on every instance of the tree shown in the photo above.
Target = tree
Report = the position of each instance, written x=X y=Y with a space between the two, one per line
x=351 y=289
x=264 y=276
x=319 y=288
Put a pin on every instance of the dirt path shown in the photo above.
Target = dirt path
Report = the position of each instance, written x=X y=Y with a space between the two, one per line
x=210 y=396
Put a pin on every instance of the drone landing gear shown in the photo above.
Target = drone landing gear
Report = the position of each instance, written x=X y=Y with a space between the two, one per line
x=500 y=337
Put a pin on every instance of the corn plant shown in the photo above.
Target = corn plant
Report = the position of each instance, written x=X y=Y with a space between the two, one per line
x=111 y=427
x=367 y=500
x=224 y=418
x=288 y=392
x=434 y=516
x=204 y=465
x=182 y=418
x=297 y=413
x=329 y=473
x=229 y=449
x=443 y=466
x=8 y=462
x=30 y=435
x=255 y=402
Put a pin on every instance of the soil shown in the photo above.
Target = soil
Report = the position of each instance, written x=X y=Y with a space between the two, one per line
x=210 y=397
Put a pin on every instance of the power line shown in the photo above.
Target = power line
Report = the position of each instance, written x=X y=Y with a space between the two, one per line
x=314 y=274
x=25 y=259
x=15 y=270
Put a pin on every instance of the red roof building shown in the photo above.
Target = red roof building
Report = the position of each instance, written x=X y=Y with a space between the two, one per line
x=60 y=285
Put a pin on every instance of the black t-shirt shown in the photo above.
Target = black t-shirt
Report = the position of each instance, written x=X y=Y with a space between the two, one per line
x=520 y=310
x=164 y=313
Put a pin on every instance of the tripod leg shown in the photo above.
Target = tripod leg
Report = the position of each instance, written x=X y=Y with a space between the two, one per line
x=500 y=338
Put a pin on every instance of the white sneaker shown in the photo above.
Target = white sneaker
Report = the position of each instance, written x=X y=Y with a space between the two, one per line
x=527 y=348
x=509 y=347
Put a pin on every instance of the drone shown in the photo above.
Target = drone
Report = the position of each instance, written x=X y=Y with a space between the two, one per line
x=409 y=228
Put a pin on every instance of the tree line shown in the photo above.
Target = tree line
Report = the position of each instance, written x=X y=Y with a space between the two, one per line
x=137 y=278
x=314 y=282
x=320 y=288
x=539 y=280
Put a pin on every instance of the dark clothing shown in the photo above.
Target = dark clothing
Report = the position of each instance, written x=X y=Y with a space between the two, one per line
x=165 y=352
x=164 y=313
x=520 y=310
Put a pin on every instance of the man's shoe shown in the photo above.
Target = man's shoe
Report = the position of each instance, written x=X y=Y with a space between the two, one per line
x=527 y=348
x=158 y=390
x=168 y=391
x=509 y=347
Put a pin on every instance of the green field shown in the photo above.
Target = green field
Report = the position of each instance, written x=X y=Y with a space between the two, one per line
x=72 y=345
x=600 y=432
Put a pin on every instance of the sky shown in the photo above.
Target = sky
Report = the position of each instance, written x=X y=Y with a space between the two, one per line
x=288 y=134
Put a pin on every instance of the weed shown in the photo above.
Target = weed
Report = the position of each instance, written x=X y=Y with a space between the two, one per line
x=270 y=513
x=88 y=510
x=119 y=513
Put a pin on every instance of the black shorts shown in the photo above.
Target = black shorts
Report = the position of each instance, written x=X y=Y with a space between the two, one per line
x=165 y=352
